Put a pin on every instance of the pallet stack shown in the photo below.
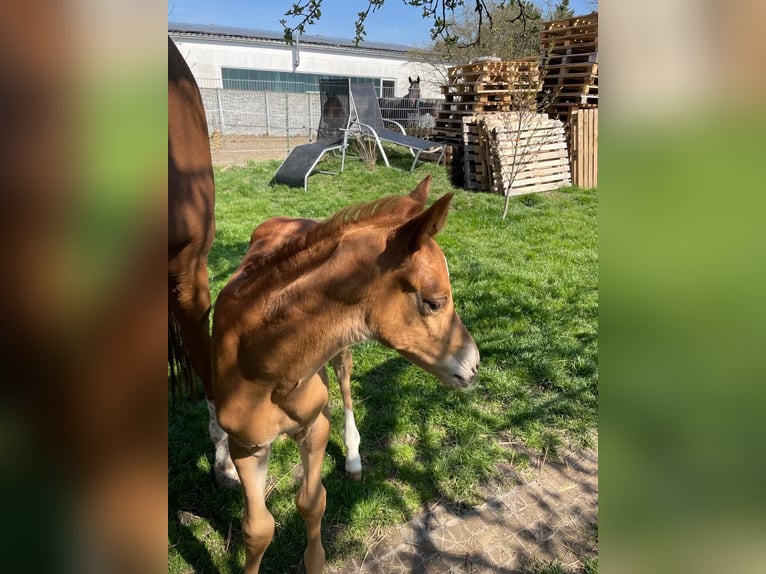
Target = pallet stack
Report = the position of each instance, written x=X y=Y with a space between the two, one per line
x=488 y=85
x=475 y=155
x=569 y=63
x=484 y=86
x=523 y=152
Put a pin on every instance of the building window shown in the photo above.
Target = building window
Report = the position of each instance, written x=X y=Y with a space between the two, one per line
x=389 y=89
x=271 y=81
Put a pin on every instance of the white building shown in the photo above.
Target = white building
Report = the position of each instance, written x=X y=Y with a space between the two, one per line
x=242 y=59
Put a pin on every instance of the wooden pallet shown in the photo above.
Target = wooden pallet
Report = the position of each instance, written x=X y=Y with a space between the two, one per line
x=569 y=63
x=486 y=156
x=566 y=27
x=572 y=92
x=474 y=90
x=531 y=149
x=583 y=145
x=475 y=164
x=498 y=105
x=555 y=74
x=575 y=39
x=571 y=52
x=554 y=59
x=491 y=81
x=472 y=72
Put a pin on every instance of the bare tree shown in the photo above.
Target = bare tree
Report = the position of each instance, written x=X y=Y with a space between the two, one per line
x=514 y=34
x=519 y=138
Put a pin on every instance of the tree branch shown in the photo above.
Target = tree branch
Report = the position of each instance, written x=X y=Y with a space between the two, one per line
x=440 y=12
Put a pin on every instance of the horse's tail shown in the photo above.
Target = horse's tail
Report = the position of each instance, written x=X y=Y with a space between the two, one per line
x=180 y=371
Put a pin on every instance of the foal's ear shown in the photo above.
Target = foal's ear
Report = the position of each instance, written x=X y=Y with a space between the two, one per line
x=411 y=236
x=420 y=193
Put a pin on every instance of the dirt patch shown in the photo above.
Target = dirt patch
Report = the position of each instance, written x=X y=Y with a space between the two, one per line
x=228 y=150
x=233 y=150
x=546 y=513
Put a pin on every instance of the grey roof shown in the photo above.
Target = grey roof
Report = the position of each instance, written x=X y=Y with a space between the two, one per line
x=232 y=32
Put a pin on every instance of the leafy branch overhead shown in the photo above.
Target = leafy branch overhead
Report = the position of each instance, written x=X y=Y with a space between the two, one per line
x=439 y=12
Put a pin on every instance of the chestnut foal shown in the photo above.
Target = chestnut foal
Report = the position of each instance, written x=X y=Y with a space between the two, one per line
x=371 y=271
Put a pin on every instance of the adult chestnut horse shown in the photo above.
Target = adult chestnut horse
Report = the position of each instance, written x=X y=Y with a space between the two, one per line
x=372 y=271
x=191 y=227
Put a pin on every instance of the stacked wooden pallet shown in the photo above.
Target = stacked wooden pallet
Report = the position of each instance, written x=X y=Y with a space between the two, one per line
x=523 y=152
x=569 y=63
x=488 y=85
x=475 y=155
x=484 y=86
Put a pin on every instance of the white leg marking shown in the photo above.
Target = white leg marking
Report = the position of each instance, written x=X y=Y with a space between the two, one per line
x=351 y=439
x=223 y=467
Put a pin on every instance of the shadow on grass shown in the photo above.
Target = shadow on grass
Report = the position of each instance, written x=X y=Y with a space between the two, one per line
x=199 y=511
x=548 y=525
x=195 y=504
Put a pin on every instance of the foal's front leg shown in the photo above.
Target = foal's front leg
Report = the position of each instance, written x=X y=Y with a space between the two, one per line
x=311 y=498
x=257 y=522
x=223 y=468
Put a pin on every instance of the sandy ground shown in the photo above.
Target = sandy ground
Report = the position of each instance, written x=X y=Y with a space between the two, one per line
x=238 y=150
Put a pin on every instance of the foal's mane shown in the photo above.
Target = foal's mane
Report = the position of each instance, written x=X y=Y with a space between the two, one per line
x=308 y=250
x=378 y=213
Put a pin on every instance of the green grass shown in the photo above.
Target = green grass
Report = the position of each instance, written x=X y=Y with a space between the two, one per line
x=525 y=287
x=589 y=566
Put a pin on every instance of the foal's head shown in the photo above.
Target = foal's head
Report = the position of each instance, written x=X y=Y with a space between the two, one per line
x=410 y=307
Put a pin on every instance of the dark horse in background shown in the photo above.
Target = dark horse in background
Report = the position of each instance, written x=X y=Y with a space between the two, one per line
x=191 y=228
x=410 y=110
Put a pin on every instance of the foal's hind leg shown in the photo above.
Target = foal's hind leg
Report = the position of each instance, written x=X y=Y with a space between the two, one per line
x=342 y=363
x=257 y=522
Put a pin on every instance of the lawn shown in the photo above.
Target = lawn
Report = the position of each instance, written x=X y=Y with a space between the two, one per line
x=526 y=288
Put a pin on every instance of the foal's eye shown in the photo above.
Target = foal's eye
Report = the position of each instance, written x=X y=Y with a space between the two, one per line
x=434 y=305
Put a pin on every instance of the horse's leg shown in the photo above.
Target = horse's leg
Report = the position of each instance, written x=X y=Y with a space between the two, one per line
x=223 y=467
x=190 y=301
x=342 y=363
x=189 y=298
x=257 y=522
x=311 y=497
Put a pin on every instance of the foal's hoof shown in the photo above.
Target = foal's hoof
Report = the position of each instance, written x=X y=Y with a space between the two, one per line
x=226 y=478
x=354 y=467
x=354 y=470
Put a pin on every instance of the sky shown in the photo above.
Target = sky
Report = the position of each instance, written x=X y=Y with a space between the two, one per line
x=394 y=22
